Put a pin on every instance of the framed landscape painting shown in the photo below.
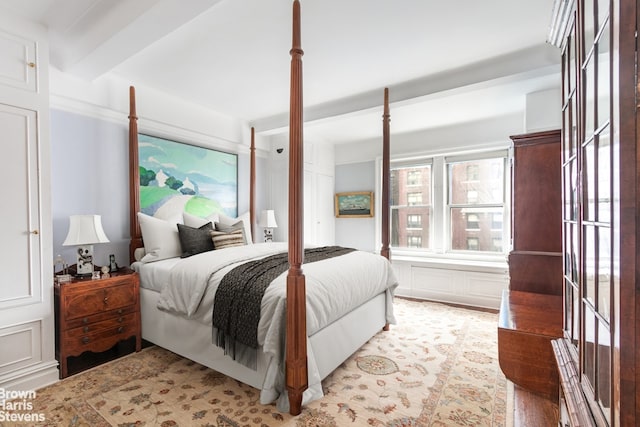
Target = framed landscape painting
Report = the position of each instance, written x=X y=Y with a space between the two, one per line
x=176 y=177
x=355 y=204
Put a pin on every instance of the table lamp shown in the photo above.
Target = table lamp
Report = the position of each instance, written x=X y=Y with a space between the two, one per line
x=268 y=222
x=84 y=232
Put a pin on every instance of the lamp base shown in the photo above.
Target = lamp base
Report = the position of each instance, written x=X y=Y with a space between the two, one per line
x=84 y=264
x=268 y=235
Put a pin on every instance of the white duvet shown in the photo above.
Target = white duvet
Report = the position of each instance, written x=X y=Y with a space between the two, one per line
x=334 y=287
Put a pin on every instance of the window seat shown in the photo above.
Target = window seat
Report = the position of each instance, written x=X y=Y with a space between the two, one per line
x=472 y=282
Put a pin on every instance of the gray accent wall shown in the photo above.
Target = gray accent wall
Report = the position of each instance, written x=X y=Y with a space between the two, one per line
x=356 y=233
x=90 y=175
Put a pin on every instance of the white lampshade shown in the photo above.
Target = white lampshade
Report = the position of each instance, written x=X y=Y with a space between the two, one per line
x=267 y=219
x=85 y=230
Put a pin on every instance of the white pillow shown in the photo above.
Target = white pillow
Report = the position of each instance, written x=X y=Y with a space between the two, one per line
x=160 y=238
x=198 y=221
x=138 y=254
x=246 y=222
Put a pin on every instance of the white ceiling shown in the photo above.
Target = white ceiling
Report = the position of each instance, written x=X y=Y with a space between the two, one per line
x=444 y=61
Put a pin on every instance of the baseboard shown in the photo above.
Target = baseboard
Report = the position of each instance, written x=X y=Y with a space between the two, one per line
x=31 y=378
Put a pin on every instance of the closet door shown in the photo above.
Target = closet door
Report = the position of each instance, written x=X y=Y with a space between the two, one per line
x=26 y=294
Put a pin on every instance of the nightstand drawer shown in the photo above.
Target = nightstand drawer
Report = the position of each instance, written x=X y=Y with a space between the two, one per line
x=111 y=322
x=99 y=340
x=89 y=320
x=84 y=304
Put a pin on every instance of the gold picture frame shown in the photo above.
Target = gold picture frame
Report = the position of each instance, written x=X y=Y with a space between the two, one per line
x=354 y=204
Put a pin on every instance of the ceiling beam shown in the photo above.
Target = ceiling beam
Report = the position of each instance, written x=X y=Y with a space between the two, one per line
x=107 y=34
x=532 y=62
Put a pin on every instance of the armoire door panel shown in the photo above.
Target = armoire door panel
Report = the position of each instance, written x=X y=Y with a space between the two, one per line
x=17 y=62
x=19 y=253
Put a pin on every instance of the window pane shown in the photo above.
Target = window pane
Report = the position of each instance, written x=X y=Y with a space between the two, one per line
x=568 y=312
x=589 y=346
x=576 y=264
x=410 y=227
x=476 y=182
x=472 y=229
x=603 y=11
x=590 y=263
x=604 y=174
x=603 y=83
x=415 y=180
x=589 y=25
x=411 y=206
x=589 y=99
x=590 y=179
x=604 y=370
x=572 y=61
x=604 y=271
x=574 y=124
x=575 y=333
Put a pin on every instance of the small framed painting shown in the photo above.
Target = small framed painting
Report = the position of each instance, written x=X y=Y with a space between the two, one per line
x=355 y=204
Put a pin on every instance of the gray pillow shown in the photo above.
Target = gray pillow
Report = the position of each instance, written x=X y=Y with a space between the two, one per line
x=195 y=240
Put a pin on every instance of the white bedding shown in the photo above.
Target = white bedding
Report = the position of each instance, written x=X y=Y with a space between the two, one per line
x=334 y=287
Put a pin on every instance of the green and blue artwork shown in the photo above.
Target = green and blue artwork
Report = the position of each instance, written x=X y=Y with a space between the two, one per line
x=176 y=177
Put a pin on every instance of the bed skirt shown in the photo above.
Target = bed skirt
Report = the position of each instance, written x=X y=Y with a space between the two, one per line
x=327 y=348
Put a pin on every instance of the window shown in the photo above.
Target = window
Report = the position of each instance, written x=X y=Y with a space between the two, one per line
x=472 y=203
x=472 y=172
x=473 y=222
x=414 y=199
x=450 y=204
x=411 y=208
x=473 y=243
x=414 y=241
x=414 y=177
x=414 y=221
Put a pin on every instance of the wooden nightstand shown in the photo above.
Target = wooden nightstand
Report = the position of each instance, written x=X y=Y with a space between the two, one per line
x=96 y=314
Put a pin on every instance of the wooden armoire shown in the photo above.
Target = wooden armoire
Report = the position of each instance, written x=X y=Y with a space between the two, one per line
x=535 y=261
x=598 y=358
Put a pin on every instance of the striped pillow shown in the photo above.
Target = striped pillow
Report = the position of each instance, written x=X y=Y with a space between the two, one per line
x=227 y=239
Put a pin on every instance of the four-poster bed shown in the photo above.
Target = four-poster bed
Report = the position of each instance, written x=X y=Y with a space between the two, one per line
x=316 y=342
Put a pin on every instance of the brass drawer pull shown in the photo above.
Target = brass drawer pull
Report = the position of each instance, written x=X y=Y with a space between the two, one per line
x=120 y=311
x=85 y=320
x=120 y=329
x=85 y=340
x=106 y=299
x=85 y=329
x=120 y=319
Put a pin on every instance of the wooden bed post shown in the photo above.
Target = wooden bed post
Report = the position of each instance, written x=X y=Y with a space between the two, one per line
x=252 y=184
x=134 y=177
x=385 y=177
x=296 y=352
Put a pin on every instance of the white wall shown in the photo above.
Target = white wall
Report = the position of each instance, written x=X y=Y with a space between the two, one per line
x=543 y=111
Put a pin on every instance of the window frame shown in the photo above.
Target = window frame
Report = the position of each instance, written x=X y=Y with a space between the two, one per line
x=440 y=222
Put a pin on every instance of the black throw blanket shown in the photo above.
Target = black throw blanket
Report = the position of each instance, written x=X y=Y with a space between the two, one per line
x=236 y=306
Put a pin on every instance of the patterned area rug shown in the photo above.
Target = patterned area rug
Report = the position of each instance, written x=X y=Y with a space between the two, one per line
x=437 y=367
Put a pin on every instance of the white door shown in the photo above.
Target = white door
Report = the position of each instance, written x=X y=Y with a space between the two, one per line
x=325 y=214
x=26 y=287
